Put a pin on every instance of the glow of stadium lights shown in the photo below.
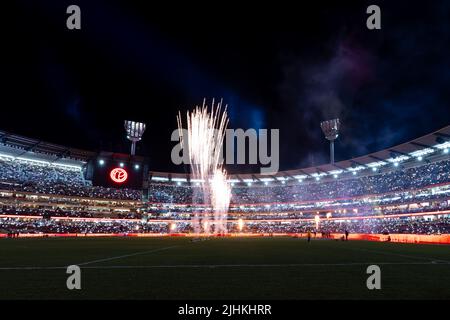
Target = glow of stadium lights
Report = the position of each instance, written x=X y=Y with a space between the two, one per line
x=395 y=164
x=317 y=178
x=266 y=183
x=317 y=221
x=101 y=162
x=446 y=150
x=335 y=176
x=354 y=173
x=6 y=156
x=136 y=166
x=51 y=164
x=240 y=225
x=249 y=184
x=121 y=164
x=134 y=130
x=330 y=128
x=160 y=179
x=300 y=180
x=178 y=183
x=419 y=158
x=232 y=184
x=283 y=182
x=374 y=169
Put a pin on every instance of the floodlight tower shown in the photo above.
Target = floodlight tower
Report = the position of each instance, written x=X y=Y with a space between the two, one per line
x=330 y=129
x=134 y=130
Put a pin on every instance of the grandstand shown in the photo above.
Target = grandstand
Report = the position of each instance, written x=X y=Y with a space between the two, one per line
x=135 y=242
x=50 y=189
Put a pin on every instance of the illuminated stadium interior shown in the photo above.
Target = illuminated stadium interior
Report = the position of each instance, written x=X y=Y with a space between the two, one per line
x=401 y=190
x=210 y=160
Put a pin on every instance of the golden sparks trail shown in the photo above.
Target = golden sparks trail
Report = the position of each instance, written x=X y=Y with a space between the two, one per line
x=204 y=140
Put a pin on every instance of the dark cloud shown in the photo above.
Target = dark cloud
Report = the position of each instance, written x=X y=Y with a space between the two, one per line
x=386 y=88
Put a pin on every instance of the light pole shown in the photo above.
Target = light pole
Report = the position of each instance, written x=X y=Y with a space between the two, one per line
x=330 y=129
x=134 y=130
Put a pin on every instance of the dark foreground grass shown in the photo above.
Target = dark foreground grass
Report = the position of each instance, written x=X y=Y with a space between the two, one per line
x=221 y=268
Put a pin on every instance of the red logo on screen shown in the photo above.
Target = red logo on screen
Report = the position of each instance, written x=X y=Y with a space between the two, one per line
x=118 y=175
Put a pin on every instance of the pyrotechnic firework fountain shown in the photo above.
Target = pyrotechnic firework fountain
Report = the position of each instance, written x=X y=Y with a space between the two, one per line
x=204 y=142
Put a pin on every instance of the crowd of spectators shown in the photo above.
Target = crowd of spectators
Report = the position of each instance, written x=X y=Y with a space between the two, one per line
x=386 y=226
x=22 y=171
x=383 y=193
x=33 y=226
x=367 y=226
x=378 y=183
x=65 y=212
x=27 y=176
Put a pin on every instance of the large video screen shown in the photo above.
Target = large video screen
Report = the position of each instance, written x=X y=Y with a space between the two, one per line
x=117 y=174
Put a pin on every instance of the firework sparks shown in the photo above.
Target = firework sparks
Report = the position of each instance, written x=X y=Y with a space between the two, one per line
x=204 y=141
x=317 y=221
x=220 y=199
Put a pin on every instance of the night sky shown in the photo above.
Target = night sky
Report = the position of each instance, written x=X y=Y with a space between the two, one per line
x=276 y=66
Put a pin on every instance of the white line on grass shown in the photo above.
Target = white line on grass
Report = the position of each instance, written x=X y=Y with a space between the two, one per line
x=125 y=256
x=289 y=265
x=398 y=254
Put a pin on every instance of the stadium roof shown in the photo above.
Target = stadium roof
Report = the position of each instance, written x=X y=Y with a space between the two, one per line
x=431 y=147
x=23 y=148
x=12 y=145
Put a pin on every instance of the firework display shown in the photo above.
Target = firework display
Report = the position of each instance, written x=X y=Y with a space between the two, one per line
x=204 y=142
x=228 y=160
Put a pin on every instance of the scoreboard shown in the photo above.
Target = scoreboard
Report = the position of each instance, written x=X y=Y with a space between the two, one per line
x=117 y=171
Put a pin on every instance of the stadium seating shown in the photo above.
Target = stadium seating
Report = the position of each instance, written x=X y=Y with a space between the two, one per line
x=43 y=198
x=35 y=177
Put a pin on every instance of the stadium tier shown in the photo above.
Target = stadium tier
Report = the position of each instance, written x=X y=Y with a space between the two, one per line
x=45 y=188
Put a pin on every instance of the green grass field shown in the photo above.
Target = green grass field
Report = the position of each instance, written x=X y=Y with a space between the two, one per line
x=221 y=268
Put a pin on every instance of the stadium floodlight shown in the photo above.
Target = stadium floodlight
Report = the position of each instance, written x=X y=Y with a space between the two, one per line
x=330 y=129
x=134 y=130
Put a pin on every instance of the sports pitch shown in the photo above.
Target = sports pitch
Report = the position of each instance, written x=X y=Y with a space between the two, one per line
x=221 y=268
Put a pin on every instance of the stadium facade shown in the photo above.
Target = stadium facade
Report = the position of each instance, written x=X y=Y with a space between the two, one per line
x=51 y=189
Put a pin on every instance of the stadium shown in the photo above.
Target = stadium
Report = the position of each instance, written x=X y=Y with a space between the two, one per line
x=216 y=155
x=400 y=195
